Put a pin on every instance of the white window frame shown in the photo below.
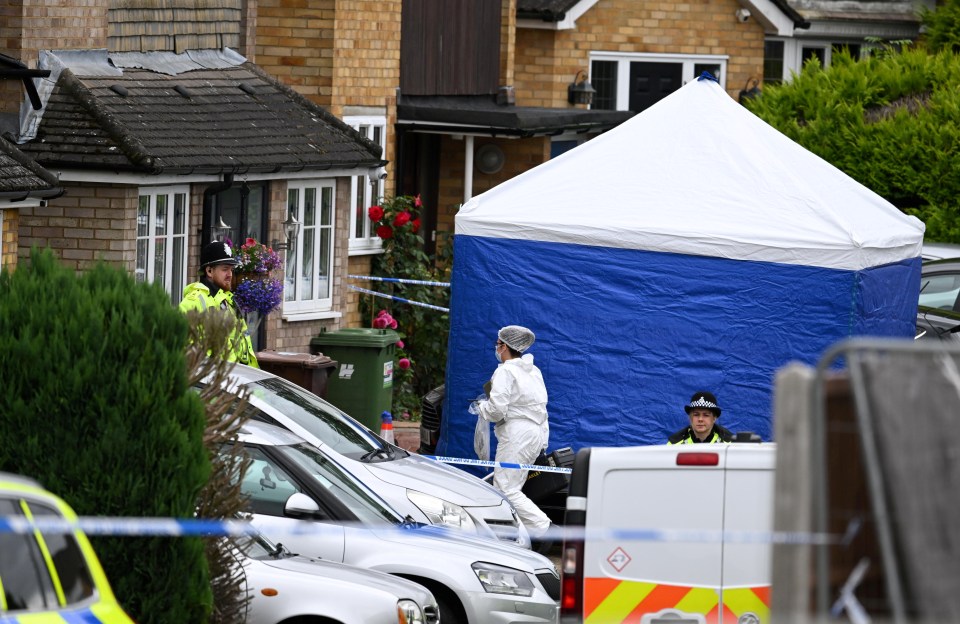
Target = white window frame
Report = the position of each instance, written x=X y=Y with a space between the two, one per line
x=623 y=60
x=363 y=193
x=793 y=52
x=146 y=265
x=318 y=303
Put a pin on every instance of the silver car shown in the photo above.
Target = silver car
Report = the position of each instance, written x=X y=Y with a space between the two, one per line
x=424 y=489
x=300 y=496
x=284 y=587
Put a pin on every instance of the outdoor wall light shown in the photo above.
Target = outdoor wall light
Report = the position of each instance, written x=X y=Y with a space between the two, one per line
x=748 y=92
x=221 y=229
x=291 y=228
x=580 y=91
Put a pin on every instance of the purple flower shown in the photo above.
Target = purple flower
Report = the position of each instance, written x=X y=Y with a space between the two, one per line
x=258 y=295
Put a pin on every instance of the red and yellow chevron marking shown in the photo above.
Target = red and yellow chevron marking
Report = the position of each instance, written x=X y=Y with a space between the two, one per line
x=610 y=601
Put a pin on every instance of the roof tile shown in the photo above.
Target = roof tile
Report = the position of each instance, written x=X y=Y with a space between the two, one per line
x=20 y=174
x=209 y=124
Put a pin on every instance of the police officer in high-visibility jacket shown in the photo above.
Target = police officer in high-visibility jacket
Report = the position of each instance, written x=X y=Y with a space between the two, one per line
x=703 y=412
x=213 y=290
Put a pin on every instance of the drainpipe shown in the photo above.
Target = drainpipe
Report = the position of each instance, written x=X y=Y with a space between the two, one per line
x=467 y=168
x=209 y=219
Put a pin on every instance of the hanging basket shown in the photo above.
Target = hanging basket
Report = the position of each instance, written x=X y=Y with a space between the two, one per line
x=257 y=292
x=238 y=278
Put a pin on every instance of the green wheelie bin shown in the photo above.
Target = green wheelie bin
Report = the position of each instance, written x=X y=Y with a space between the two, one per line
x=362 y=385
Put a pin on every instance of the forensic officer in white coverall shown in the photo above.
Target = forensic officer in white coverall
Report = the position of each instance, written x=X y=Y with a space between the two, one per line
x=517 y=404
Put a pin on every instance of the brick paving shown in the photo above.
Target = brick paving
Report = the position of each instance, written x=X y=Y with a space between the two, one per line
x=407 y=435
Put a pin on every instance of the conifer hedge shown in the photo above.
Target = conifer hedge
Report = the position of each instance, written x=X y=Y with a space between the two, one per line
x=891 y=121
x=94 y=404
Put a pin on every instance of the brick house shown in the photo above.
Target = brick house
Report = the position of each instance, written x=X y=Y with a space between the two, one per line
x=830 y=24
x=164 y=137
x=465 y=94
x=344 y=56
x=632 y=52
x=495 y=102
x=23 y=183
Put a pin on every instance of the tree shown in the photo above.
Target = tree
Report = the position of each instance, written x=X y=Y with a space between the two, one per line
x=95 y=405
x=942 y=26
x=226 y=405
x=891 y=121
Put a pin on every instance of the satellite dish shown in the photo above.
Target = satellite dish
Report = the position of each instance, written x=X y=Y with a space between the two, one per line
x=489 y=158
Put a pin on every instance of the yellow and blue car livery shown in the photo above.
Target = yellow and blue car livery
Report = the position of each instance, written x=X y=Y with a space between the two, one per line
x=49 y=577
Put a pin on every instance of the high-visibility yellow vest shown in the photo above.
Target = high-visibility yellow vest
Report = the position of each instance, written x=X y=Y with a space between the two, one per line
x=197 y=296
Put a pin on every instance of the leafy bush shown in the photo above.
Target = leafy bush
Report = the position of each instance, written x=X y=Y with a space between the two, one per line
x=226 y=406
x=891 y=121
x=942 y=26
x=95 y=405
x=424 y=330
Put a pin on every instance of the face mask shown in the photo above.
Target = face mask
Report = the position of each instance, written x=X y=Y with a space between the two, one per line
x=496 y=352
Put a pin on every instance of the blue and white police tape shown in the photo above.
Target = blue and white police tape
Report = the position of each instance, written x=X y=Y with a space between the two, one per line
x=191 y=527
x=400 y=299
x=493 y=464
x=399 y=280
x=128 y=526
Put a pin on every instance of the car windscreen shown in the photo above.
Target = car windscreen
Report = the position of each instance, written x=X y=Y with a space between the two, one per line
x=367 y=507
x=257 y=546
x=324 y=421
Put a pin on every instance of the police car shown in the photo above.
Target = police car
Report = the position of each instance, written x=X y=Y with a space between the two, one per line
x=48 y=576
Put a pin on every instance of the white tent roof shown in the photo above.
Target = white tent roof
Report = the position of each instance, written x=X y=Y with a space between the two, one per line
x=699 y=174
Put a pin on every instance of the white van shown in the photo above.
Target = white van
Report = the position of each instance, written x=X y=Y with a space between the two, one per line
x=653 y=551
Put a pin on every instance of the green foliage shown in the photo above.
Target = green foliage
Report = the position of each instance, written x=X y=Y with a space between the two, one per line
x=226 y=406
x=891 y=121
x=424 y=330
x=942 y=26
x=95 y=405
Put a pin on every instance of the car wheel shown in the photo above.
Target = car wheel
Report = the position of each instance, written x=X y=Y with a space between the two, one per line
x=450 y=613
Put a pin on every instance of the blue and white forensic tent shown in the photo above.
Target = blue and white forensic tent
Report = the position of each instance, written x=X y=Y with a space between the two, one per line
x=693 y=247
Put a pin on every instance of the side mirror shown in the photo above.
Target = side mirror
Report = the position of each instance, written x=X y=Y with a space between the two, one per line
x=300 y=505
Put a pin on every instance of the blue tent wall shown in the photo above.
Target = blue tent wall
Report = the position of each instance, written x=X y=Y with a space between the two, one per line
x=624 y=337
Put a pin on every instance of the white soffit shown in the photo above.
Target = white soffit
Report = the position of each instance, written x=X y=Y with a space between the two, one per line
x=569 y=22
x=774 y=20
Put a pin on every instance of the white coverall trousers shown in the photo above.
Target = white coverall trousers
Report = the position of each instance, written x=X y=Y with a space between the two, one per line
x=519 y=441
